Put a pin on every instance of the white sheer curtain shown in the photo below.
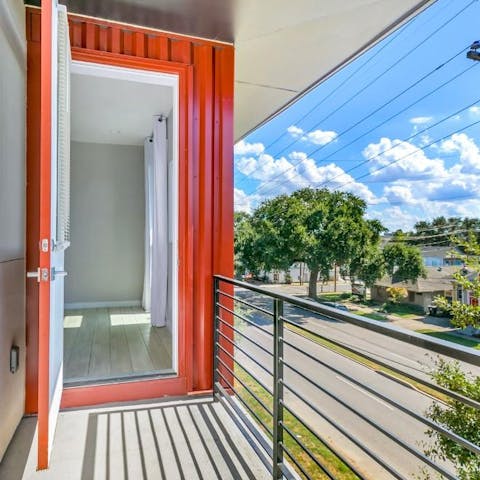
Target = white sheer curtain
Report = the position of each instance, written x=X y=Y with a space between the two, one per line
x=156 y=224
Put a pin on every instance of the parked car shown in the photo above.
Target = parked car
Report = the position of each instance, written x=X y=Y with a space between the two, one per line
x=338 y=306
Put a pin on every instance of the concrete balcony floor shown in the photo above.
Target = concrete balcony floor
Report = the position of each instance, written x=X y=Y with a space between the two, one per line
x=181 y=439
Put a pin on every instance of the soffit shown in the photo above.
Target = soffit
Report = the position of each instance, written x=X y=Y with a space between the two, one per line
x=282 y=47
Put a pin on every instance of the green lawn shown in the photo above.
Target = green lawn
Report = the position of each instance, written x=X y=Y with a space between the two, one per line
x=373 y=316
x=329 y=297
x=321 y=451
x=404 y=310
x=449 y=337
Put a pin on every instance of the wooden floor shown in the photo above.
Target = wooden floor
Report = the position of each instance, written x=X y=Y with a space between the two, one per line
x=111 y=343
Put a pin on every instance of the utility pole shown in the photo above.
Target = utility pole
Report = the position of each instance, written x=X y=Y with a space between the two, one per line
x=473 y=53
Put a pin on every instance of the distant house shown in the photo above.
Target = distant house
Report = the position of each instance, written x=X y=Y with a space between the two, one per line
x=441 y=256
x=463 y=295
x=439 y=281
x=297 y=273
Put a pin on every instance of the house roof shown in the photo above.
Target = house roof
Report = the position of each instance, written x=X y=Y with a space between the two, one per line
x=440 y=252
x=438 y=279
x=283 y=47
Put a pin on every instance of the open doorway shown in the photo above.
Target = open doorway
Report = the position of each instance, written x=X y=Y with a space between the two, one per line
x=121 y=290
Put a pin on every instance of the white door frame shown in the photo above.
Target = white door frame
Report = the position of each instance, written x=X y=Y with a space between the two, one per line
x=166 y=80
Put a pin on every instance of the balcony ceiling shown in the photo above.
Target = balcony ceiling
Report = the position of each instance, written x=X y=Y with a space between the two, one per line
x=283 y=47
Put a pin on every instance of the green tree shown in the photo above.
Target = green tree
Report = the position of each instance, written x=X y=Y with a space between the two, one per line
x=371 y=268
x=244 y=245
x=457 y=417
x=318 y=227
x=468 y=278
x=403 y=262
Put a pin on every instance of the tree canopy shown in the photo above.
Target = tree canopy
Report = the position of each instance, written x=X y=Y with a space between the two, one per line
x=321 y=228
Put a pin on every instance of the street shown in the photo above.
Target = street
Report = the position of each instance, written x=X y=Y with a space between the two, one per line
x=343 y=400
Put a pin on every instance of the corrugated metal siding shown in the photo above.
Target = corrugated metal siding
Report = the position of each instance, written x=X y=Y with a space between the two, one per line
x=211 y=139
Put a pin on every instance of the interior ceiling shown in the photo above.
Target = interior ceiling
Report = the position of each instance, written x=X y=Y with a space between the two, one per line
x=113 y=111
x=283 y=47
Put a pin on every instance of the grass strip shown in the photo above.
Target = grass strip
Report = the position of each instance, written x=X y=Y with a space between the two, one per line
x=323 y=453
x=368 y=363
x=373 y=316
x=449 y=337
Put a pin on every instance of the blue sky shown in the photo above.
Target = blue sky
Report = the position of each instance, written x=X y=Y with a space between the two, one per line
x=408 y=165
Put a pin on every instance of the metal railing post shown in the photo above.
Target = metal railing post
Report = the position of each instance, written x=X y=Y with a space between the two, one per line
x=216 y=326
x=277 y=389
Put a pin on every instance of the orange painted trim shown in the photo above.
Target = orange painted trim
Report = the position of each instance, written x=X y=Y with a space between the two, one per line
x=45 y=232
x=137 y=390
x=75 y=397
x=76 y=18
x=223 y=261
x=205 y=177
x=32 y=213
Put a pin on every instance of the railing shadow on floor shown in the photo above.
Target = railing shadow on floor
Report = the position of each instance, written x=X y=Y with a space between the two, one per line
x=182 y=440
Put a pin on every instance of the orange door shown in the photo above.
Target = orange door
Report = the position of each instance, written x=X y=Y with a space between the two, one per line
x=49 y=274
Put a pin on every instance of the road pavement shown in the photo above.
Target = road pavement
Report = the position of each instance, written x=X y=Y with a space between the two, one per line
x=343 y=398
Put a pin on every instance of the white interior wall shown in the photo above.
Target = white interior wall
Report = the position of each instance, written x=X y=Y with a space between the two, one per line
x=106 y=256
x=12 y=214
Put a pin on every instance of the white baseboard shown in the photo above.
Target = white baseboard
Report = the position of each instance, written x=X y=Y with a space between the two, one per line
x=120 y=303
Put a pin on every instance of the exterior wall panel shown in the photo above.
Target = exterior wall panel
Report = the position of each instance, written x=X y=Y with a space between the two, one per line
x=207 y=146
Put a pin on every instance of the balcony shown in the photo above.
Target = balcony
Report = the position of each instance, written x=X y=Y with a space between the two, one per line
x=322 y=392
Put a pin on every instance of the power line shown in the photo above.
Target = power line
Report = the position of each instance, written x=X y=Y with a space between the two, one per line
x=390 y=40
x=428 y=37
x=346 y=172
x=408 y=238
x=411 y=153
x=346 y=80
x=381 y=75
x=440 y=200
x=435 y=90
x=383 y=122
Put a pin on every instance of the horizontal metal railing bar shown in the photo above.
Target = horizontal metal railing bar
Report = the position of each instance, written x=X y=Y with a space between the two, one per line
x=232 y=357
x=439 y=346
x=261 y=439
x=246 y=337
x=322 y=467
x=245 y=404
x=242 y=383
x=345 y=432
x=248 y=355
x=339 y=455
x=241 y=317
x=435 y=426
x=445 y=391
x=295 y=461
x=373 y=423
x=248 y=304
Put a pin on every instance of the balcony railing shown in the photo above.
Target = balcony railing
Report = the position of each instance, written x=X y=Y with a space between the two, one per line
x=334 y=394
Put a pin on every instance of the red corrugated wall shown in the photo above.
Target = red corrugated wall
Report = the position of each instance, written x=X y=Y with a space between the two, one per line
x=210 y=186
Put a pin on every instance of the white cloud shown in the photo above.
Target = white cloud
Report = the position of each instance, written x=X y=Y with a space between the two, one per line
x=469 y=153
x=395 y=217
x=317 y=137
x=393 y=159
x=420 y=120
x=244 y=202
x=284 y=175
x=245 y=148
x=475 y=110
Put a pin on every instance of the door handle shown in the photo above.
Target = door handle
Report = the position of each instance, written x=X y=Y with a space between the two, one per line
x=41 y=274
